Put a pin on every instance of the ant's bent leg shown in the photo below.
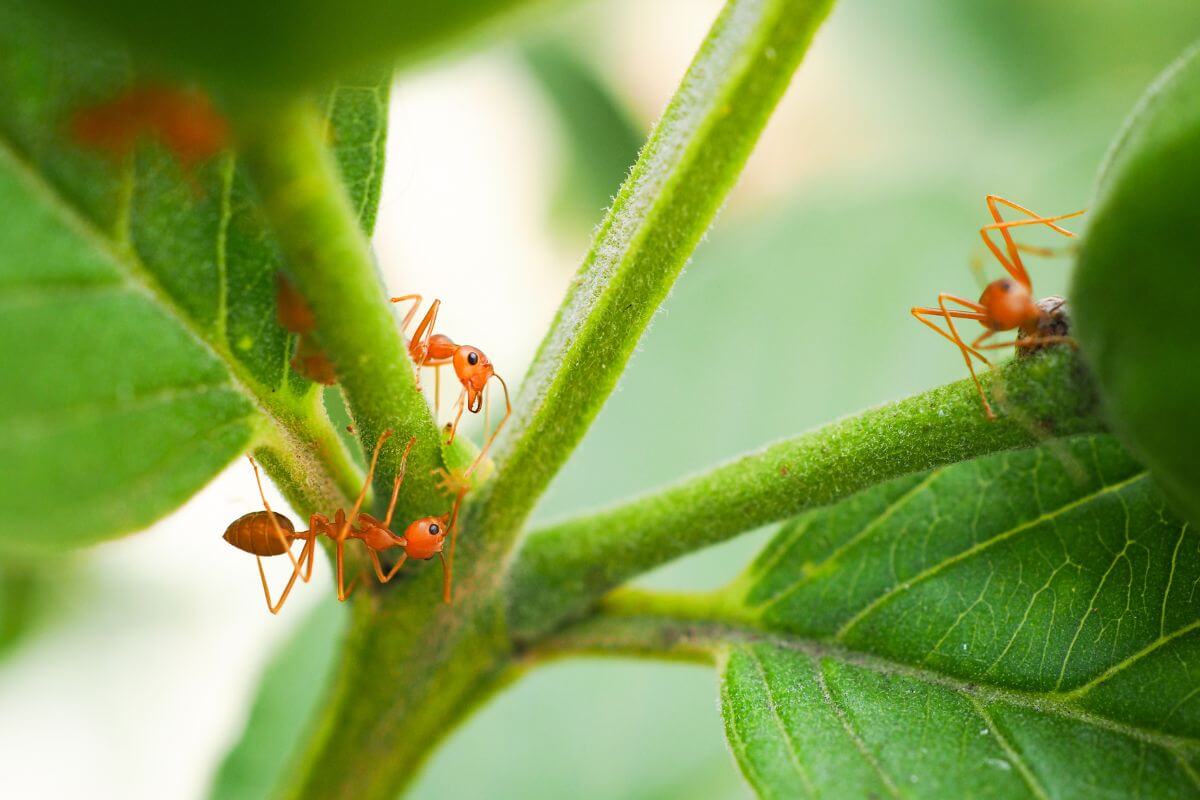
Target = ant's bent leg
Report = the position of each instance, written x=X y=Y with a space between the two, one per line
x=283 y=540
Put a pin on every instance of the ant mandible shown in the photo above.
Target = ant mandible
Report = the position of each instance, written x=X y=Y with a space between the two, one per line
x=471 y=366
x=1006 y=304
x=268 y=533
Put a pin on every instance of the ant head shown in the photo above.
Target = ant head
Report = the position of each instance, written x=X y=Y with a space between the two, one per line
x=424 y=538
x=1009 y=305
x=473 y=370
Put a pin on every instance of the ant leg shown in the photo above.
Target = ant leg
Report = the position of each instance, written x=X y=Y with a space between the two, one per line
x=419 y=346
x=412 y=312
x=448 y=567
x=461 y=403
x=447 y=577
x=437 y=390
x=953 y=337
x=487 y=444
x=387 y=521
x=1013 y=264
x=366 y=485
x=274 y=608
x=943 y=298
x=392 y=572
x=342 y=593
x=283 y=540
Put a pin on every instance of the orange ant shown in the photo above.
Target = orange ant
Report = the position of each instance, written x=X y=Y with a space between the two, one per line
x=1006 y=304
x=471 y=366
x=182 y=120
x=268 y=533
x=296 y=317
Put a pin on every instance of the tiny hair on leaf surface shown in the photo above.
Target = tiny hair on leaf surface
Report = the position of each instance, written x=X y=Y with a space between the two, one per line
x=968 y=630
x=149 y=287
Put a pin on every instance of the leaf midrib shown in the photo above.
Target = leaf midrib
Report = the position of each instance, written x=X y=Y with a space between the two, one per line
x=719 y=637
x=291 y=420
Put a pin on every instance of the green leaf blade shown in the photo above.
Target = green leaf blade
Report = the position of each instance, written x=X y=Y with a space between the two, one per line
x=139 y=308
x=807 y=725
x=969 y=627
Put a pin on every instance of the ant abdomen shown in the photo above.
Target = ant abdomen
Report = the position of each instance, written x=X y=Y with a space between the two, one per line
x=254 y=534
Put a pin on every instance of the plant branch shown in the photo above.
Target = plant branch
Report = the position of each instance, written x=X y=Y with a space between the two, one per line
x=562 y=570
x=329 y=259
x=680 y=180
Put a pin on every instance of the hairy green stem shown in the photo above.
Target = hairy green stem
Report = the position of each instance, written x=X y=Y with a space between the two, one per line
x=681 y=178
x=563 y=570
x=329 y=259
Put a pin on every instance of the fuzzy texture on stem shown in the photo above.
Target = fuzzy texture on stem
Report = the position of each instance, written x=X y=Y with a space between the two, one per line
x=681 y=178
x=563 y=570
x=329 y=260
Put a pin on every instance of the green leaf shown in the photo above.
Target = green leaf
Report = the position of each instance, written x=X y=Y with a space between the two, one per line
x=139 y=307
x=1135 y=292
x=689 y=164
x=1020 y=625
x=255 y=46
x=564 y=569
x=288 y=694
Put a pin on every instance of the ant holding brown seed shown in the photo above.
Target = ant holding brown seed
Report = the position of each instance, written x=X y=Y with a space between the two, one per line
x=1006 y=304
x=268 y=533
x=471 y=366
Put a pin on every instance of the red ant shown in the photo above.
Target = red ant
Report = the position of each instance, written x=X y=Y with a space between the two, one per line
x=1005 y=304
x=471 y=366
x=182 y=120
x=296 y=316
x=268 y=533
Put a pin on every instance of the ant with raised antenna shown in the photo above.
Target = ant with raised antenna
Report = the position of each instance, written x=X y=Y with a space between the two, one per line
x=1005 y=304
x=471 y=366
x=269 y=533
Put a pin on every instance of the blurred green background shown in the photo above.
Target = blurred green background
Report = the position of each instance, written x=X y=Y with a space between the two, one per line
x=865 y=199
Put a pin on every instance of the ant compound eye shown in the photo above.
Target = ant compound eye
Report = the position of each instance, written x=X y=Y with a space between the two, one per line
x=434 y=529
x=1006 y=285
x=472 y=358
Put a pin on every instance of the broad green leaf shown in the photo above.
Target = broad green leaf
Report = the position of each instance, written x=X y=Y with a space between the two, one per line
x=1023 y=625
x=138 y=324
x=690 y=162
x=288 y=694
x=1136 y=292
x=258 y=45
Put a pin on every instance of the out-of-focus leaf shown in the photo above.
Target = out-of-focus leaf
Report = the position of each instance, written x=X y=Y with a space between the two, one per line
x=289 y=691
x=137 y=304
x=1136 y=291
x=1023 y=625
x=24 y=588
x=600 y=136
x=247 y=46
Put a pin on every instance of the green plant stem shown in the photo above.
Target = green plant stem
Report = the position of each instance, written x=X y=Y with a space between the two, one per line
x=410 y=666
x=681 y=178
x=329 y=259
x=563 y=570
